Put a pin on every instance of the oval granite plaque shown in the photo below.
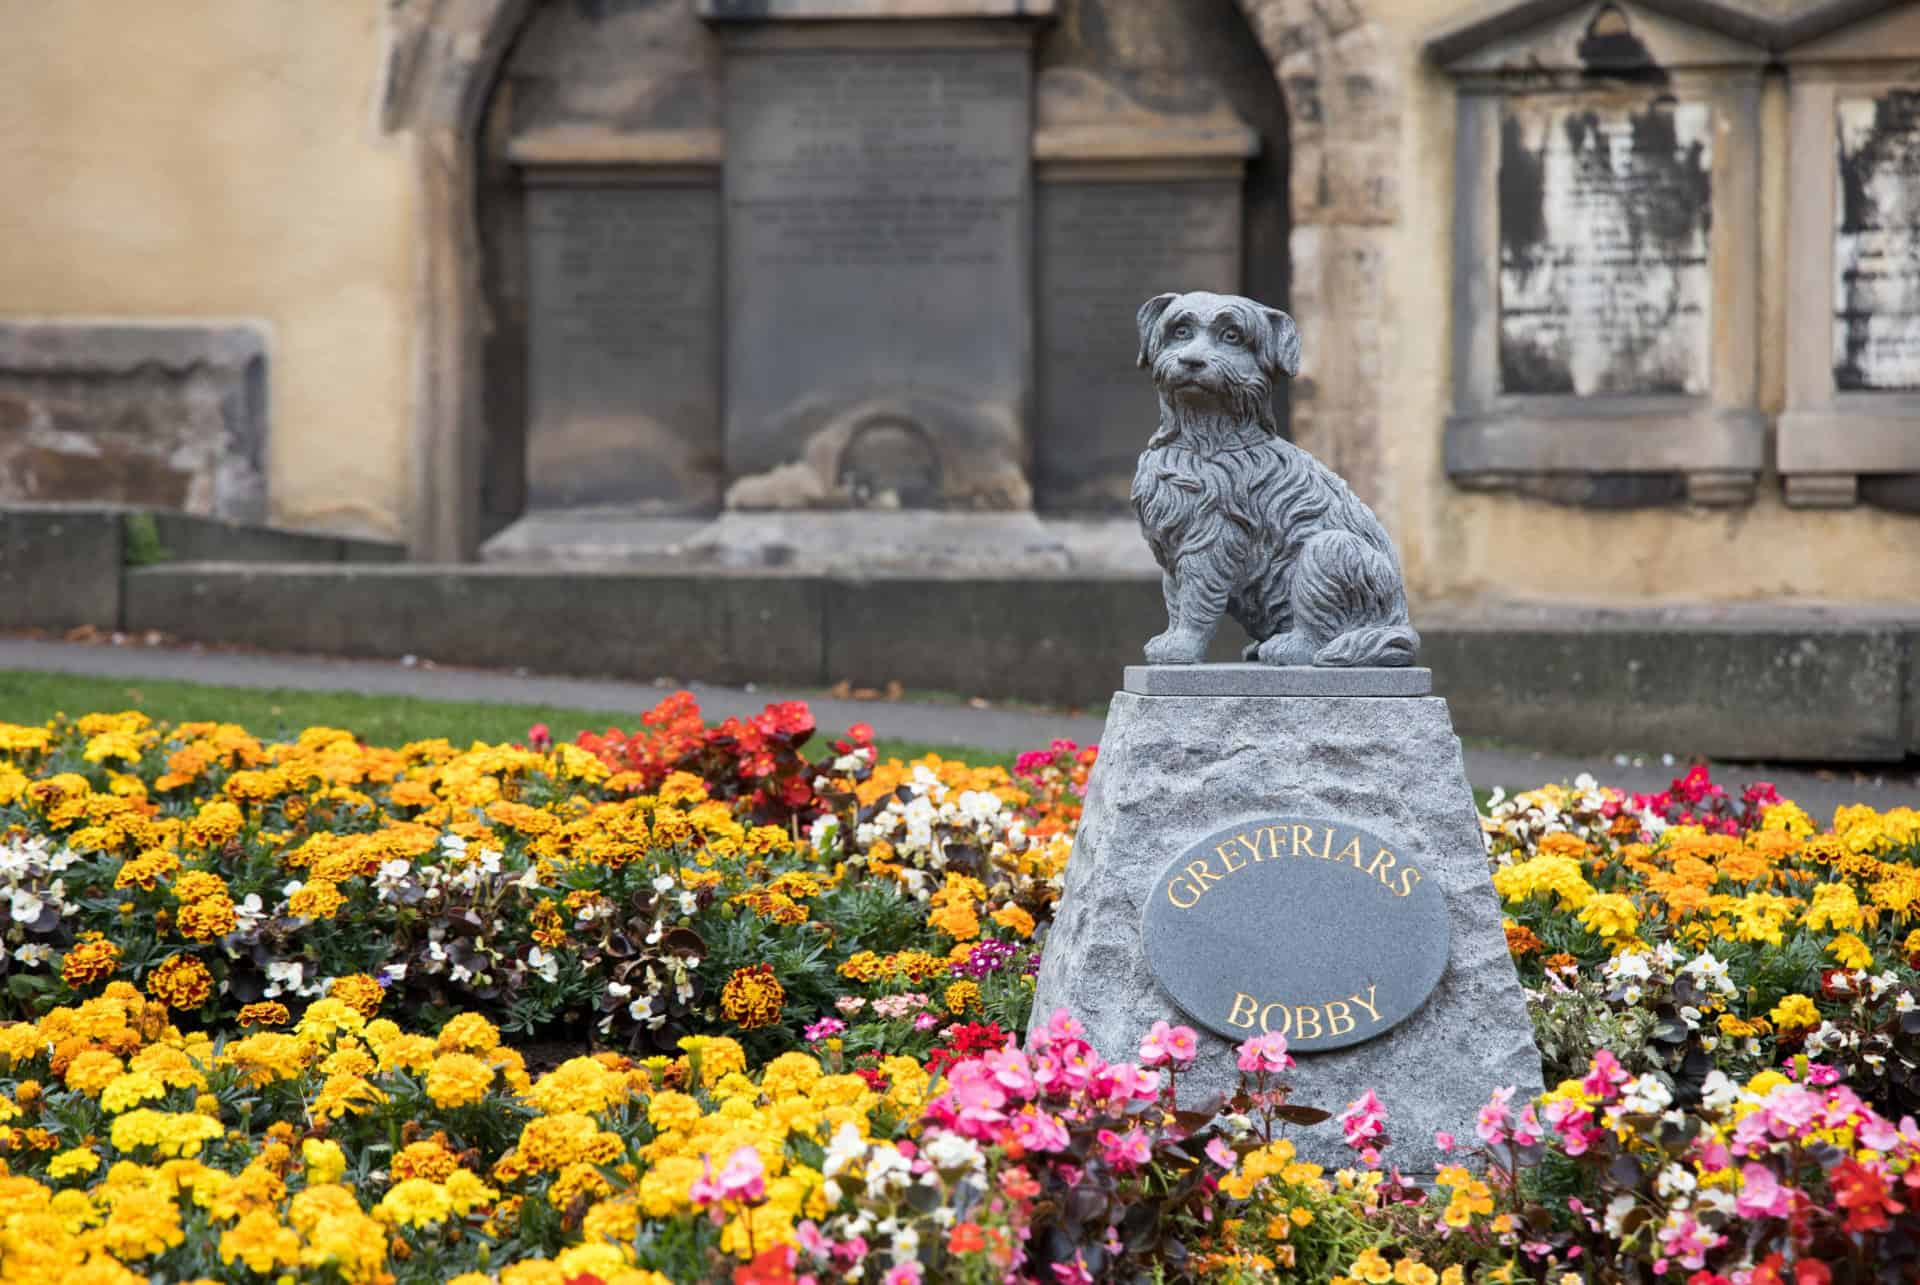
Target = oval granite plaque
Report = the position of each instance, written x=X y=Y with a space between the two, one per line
x=1313 y=928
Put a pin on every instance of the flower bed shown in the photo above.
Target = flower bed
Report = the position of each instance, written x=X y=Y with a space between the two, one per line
x=267 y=992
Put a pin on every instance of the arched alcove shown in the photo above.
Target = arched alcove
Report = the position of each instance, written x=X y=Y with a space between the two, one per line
x=450 y=64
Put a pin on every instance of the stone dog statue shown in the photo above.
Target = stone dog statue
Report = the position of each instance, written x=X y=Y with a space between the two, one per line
x=1243 y=522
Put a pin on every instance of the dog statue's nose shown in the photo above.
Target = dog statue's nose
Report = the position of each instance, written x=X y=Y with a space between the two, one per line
x=1194 y=363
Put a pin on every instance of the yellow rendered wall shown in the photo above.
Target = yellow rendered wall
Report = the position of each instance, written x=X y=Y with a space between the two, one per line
x=201 y=159
x=1460 y=545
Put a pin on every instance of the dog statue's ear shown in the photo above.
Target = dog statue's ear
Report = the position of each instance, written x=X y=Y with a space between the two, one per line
x=1281 y=351
x=1150 y=314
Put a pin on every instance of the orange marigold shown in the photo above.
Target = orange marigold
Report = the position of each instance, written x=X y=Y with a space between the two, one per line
x=208 y=919
x=360 y=991
x=753 y=997
x=1521 y=940
x=181 y=982
x=317 y=899
x=92 y=959
x=265 y=1013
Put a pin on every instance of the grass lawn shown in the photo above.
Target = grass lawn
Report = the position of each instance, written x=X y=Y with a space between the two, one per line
x=276 y=712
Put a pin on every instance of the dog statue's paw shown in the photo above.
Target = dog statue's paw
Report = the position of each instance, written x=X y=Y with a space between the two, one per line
x=1286 y=649
x=1177 y=647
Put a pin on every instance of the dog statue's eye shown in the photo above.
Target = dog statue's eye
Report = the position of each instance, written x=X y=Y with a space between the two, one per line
x=1183 y=331
x=1230 y=335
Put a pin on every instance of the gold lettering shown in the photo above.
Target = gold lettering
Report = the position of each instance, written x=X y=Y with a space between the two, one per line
x=1408 y=878
x=1334 y=1019
x=1251 y=845
x=1201 y=876
x=1227 y=854
x=1266 y=1019
x=1367 y=1003
x=1181 y=883
x=1382 y=862
x=1351 y=850
x=1273 y=834
x=1300 y=1015
x=1238 y=1018
x=1301 y=835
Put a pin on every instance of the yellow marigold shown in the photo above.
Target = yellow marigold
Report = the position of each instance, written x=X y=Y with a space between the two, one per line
x=76 y=1160
x=458 y=1079
x=208 y=919
x=359 y=990
x=130 y=1090
x=181 y=981
x=753 y=997
x=316 y=899
x=168 y=1133
x=863 y=966
x=582 y=1084
x=469 y=1033
x=429 y=1159
x=1014 y=919
x=194 y=885
x=962 y=996
x=682 y=787
x=346 y=1094
x=217 y=821
x=259 y=1241
x=1794 y=1013
x=1833 y=905
x=1850 y=951
x=92 y=959
x=552 y=1142
x=265 y=1013
x=147 y=870
x=1610 y=915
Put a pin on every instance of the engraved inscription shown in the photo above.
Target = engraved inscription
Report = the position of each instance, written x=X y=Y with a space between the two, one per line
x=877 y=234
x=623 y=345
x=1312 y=928
x=1605 y=218
x=1105 y=246
x=1876 y=251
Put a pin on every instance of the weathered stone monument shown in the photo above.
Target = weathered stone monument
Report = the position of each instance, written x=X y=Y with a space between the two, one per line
x=1288 y=844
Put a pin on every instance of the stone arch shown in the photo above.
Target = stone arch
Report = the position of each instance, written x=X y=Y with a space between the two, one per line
x=445 y=56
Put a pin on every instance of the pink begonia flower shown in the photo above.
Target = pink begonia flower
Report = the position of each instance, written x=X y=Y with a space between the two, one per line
x=1040 y=1131
x=1184 y=1044
x=1012 y=1070
x=1761 y=1195
x=1364 y=1120
x=975 y=1091
x=1443 y=1140
x=1526 y=1128
x=926 y=1021
x=1605 y=1075
x=745 y=1177
x=1221 y=1154
x=1129 y=1081
x=1062 y=1026
x=705 y=1190
x=1492 y=1125
x=1126 y=1151
x=1154 y=1050
x=1265 y=1053
x=813 y=1240
x=1074 y=1273
x=851 y=1250
x=907 y=1273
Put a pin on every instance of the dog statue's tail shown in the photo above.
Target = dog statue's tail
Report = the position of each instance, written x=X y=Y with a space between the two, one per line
x=1349 y=592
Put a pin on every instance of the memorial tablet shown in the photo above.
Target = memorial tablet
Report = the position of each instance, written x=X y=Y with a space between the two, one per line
x=624 y=343
x=1306 y=927
x=877 y=236
x=1876 y=251
x=1605 y=273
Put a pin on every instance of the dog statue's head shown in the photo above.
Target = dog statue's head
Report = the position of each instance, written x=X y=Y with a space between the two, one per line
x=1217 y=353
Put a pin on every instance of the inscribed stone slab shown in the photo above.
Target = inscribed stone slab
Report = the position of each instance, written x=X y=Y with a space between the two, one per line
x=877 y=242
x=1252 y=679
x=1876 y=251
x=624 y=341
x=1104 y=248
x=1605 y=265
x=1175 y=770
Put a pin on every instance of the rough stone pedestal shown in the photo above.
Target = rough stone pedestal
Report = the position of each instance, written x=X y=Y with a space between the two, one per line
x=1175 y=769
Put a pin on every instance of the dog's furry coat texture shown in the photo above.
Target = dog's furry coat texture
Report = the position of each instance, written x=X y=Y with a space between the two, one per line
x=1243 y=522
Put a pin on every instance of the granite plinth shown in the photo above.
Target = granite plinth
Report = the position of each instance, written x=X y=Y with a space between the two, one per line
x=1252 y=679
x=1173 y=771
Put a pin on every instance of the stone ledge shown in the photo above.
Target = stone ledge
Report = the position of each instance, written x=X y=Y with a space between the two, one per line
x=1254 y=680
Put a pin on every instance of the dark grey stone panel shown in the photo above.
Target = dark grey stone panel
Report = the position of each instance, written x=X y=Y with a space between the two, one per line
x=187 y=537
x=1732 y=684
x=59 y=567
x=624 y=347
x=1104 y=249
x=878 y=292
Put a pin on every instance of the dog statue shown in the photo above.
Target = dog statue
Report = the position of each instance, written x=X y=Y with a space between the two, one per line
x=1243 y=522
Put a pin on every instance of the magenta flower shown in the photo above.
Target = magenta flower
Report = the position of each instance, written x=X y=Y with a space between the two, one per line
x=1221 y=1154
x=825 y=1028
x=1125 y=1151
x=1265 y=1053
x=907 y=1273
x=1492 y=1124
x=1164 y=1043
x=1038 y=1131
x=1443 y=1140
x=745 y=1177
x=1011 y=1069
x=1761 y=1195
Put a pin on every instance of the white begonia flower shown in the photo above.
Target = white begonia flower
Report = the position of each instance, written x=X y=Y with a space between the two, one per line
x=544 y=963
x=1904 y=1002
x=1631 y=966
x=1718 y=1091
x=1646 y=1096
x=248 y=913
x=61 y=860
x=33 y=954
x=618 y=990
x=1709 y=972
x=847 y=763
x=664 y=883
x=1666 y=955
x=25 y=905
x=1675 y=1180
x=1617 y=1210
x=951 y=1151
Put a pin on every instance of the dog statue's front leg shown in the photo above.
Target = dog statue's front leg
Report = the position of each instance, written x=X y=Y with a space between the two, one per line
x=1195 y=602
